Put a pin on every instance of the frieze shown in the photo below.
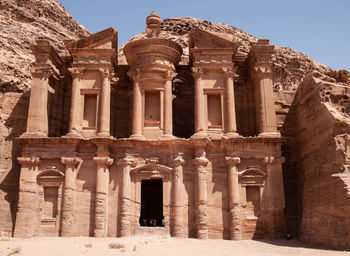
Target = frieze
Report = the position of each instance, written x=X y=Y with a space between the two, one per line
x=207 y=59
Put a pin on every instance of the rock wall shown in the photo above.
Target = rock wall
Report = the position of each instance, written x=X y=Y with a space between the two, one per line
x=318 y=162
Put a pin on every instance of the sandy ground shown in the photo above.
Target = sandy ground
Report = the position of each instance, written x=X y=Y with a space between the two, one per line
x=153 y=246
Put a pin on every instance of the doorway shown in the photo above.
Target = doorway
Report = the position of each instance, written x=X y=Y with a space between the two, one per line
x=151 y=203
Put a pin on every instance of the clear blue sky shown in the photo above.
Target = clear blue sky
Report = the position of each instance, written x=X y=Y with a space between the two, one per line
x=318 y=28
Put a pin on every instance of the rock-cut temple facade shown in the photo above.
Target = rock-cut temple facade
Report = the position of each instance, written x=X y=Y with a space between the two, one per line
x=146 y=142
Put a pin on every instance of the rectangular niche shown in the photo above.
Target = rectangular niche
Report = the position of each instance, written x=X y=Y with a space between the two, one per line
x=50 y=202
x=253 y=201
x=214 y=111
x=90 y=109
x=152 y=109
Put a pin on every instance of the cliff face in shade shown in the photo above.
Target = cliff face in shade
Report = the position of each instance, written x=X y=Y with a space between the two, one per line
x=312 y=106
x=21 y=23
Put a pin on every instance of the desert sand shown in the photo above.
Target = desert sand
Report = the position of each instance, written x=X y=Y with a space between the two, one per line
x=154 y=246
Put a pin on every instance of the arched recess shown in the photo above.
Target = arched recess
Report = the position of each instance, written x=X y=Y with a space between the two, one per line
x=252 y=181
x=51 y=182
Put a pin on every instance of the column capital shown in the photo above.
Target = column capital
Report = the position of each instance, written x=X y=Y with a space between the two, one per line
x=71 y=160
x=134 y=74
x=262 y=68
x=178 y=160
x=105 y=73
x=202 y=160
x=42 y=72
x=28 y=160
x=103 y=160
x=198 y=71
x=169 y=75
x=127 y=161
x=76 y=72
x=230 y=72
x=232 y=160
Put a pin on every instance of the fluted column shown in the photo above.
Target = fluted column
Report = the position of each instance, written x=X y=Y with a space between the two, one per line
x=125 y=197
x=27 y=219
x=75 y=111
x=230 y=125
x=201 y=196
x=234 y=199
x=71 y=171
x=104 y=117
x=137 y=113
x=198 y=101
x=102 y=181
x=177 y=209
x=37 y=123
x=168 y=106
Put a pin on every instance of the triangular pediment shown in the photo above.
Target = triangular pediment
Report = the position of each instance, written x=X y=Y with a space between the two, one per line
x=105 y=39
x=205 y=39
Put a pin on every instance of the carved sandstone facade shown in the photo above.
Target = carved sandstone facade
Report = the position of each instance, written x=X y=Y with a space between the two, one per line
x=121 y=147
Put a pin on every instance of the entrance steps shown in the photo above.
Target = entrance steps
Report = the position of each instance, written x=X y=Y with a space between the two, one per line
x=159 y=232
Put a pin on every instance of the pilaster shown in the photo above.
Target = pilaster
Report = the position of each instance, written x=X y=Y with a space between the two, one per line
x=68 y=218
x=101 y=201
x=177 y=228
x=27 y=218
x=126 y=163
x=104 y=117
x=234 y=198
x=168 y=106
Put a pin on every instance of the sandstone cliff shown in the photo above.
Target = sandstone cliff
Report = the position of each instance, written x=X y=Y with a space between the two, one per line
x=21 y=23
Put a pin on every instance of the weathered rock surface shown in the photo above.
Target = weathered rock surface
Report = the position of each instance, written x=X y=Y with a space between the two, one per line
x=318 y=162
x=21 y=23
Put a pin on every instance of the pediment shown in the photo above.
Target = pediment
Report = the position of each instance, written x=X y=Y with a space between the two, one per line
x=105 y=39
x=208 y=40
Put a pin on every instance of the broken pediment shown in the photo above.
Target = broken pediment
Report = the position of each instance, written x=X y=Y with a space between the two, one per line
x=205 y=39
x=105 y=39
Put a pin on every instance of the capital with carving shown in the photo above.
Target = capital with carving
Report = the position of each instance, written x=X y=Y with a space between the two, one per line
x=169 y=75
x=178 y=160
x=104 y=160
x=27 y=161
x=230 y=71
x=198 y=71
x=41 y=73
x=76 y=73
x=134 y=74
x=127 y=161
x=200 y=161
x=232 y=160
x=71 y=160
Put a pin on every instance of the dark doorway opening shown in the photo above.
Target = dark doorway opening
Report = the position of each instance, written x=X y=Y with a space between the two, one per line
x=152 y=203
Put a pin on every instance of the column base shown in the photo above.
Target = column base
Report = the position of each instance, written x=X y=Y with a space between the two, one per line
x=34 y=135
x=103 y=135
x=167 y=137
x=270 y=135
x=137 y=137
x=230 y=135
x=200 y=135
x=73 y=135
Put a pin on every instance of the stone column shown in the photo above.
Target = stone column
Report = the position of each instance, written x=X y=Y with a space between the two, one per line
x=230 y=125
x=72 y=167
x=265 y=107
x=201 y=196
x=102 y=182
x=137 y=113
x=177 y=200
x=274 y=195
x=37 y=123
x=127 y=163
x=75 y=112
x=234 y=199
x=105 y=104
x=168 y=106
x=27 y=219
x=198 y=101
